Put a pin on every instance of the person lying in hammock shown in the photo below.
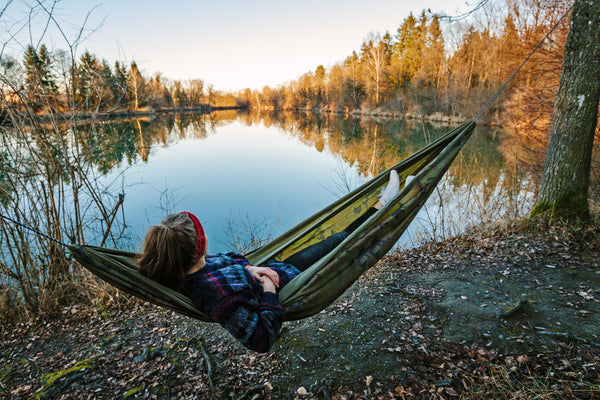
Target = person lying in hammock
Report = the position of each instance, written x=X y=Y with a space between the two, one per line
x=243 y=298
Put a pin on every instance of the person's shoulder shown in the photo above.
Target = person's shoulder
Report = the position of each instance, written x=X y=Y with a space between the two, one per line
x=221 y=260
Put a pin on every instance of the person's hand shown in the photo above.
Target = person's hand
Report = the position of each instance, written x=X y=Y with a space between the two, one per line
x=260 y=272
x=268 y=285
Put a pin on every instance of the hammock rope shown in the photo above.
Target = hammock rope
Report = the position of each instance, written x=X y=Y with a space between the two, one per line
x=34 y=230
x=510 y=78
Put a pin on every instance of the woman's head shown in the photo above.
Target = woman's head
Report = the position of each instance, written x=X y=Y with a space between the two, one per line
x=171 y=248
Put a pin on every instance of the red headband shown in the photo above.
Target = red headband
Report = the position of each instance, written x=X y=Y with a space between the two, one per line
x=200 y=237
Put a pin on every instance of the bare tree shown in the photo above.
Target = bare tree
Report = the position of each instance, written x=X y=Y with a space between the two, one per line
x=46 y=180
x=376 y=53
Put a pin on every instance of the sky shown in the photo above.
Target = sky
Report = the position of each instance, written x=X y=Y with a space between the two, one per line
x=231 y=44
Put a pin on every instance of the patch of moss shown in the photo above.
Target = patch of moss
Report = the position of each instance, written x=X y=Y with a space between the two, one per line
x=133 y=391
x=171 y=353
x=55 y=382
x=5 y=373
x=571 y=205
x=112 y=341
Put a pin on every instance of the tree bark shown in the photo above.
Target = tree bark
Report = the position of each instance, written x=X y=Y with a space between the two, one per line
x=566 y=177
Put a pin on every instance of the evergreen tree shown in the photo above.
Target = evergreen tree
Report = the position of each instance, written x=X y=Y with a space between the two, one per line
x=407 y=50
x=107 y=82
x=47 y=80
x=88 y=81
x=40 y=85
x=31 y=62
x=511 y=50
x=434 y=57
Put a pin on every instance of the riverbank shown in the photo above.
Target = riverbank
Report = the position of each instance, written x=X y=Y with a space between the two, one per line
x=88 y=116
x=510 y=310
x=386 y=113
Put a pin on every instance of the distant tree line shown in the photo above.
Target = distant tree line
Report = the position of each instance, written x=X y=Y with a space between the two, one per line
x=48 y=81
x=423 y=68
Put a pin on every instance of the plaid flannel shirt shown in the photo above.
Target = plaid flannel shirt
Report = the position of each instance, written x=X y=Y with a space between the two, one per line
x=226 y=291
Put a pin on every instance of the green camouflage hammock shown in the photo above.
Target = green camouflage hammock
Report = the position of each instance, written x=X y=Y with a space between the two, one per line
x=322 y=283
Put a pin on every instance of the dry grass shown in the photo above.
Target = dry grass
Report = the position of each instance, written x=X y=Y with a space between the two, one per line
x=504 y=383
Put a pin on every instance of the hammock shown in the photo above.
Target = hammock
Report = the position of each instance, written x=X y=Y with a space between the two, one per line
x=323 y=282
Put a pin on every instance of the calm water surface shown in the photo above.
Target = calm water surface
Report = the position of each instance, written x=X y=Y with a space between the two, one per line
x=238 y=178
x=257 y=176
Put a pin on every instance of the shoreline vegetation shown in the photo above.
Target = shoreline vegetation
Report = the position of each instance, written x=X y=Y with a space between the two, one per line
x=425 y=69
x=84 y=116
x=382 y=112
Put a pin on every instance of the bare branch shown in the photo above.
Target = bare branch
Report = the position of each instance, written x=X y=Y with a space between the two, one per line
x=450 y=18
x=8 y=3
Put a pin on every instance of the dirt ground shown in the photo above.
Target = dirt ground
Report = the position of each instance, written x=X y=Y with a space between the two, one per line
x=511 y=311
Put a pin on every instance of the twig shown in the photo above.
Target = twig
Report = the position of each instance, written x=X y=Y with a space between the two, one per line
x=113 y=214
x=208 y=364
x=325 y=391
x=464 y=15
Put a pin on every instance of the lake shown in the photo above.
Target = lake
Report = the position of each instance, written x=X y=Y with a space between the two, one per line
x=250 y=177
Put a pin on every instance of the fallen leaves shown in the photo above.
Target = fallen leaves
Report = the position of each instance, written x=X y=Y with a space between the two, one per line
x=585 y=295
x=394 y=341
x=302 y=391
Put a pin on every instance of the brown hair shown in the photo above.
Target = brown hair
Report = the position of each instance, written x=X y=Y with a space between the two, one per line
x=168 y=250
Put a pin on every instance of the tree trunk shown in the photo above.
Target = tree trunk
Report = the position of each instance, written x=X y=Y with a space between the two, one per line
x=566 y=177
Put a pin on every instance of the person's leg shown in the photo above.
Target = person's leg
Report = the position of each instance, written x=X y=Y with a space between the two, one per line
x=359 y=221
x=310 y=255
x=387 y=194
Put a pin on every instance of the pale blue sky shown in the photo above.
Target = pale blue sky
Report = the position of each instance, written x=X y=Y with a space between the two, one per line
x=231 y=44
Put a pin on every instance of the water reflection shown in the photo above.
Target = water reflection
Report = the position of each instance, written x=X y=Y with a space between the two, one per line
x=264 y=172
x=207 y=163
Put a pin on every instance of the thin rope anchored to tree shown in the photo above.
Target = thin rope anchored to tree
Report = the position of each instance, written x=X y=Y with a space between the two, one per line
x=34 y=230
x=510 y=78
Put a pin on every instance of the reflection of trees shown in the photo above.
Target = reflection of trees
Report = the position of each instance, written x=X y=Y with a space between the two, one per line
x=370 y=145
x=375 y=145
x=107 y=144
x=479 y=173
